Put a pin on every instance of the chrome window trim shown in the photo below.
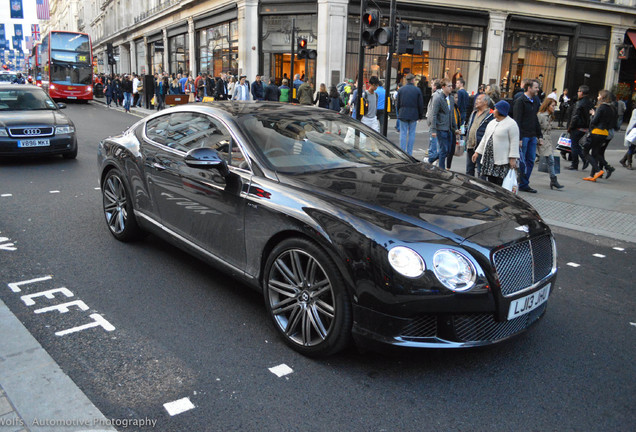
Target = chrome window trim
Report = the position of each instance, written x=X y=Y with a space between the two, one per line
x=191 y=244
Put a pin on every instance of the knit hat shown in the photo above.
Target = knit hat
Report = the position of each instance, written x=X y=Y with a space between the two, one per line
x=503 y=107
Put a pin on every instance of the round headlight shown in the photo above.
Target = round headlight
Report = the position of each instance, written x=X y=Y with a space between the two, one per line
x=406 y=261
x=454 y=270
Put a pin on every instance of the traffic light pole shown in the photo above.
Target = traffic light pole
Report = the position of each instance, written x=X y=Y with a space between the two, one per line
x=291 y=71
x=358 y=105
x=389 y=63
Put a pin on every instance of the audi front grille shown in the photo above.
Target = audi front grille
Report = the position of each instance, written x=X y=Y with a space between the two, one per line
x=31 y=132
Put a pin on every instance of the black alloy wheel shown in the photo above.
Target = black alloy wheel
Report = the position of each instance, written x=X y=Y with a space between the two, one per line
x=118 y=208
x=306 y=298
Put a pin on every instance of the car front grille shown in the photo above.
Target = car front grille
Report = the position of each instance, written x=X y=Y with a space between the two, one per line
x=523 y=264
x=424 y=326
x=483 y=327
x=30 y=132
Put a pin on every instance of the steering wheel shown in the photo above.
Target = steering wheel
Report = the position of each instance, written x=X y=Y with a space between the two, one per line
x=275 y=150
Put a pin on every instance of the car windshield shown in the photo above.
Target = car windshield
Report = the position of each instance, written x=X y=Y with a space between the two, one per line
x=7 y=77
x=23 y=99
x=316 y=142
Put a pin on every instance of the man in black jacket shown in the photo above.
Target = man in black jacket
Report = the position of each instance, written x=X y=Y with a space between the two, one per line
x=525 y=114
x=272 y=93
x=579 y=124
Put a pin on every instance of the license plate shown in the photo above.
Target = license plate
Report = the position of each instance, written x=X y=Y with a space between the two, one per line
x=528 y=303
x=34 y=143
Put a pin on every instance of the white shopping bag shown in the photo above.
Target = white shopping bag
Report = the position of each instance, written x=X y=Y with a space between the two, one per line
x=510 y=181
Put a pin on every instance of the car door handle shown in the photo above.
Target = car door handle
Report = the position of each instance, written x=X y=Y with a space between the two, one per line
x=158 y=166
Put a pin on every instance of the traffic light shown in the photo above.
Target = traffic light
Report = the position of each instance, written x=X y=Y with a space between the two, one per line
x=372 y=33
x=110 y=54
x=406 y=45
x=303 y=50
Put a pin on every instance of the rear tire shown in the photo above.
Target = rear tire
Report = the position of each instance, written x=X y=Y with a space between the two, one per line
x=118 y=208
x=306 y=298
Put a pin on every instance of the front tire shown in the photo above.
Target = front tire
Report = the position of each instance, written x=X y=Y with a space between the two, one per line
x=118 y=208
x=306 y=298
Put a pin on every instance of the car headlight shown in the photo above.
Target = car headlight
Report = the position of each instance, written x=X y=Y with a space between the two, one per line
x=406 y=261
x=64 y=129
x=454 y=270
x=3 y=132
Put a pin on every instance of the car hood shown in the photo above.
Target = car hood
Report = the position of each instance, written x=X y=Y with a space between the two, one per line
x=32 y=118
x=451 y=205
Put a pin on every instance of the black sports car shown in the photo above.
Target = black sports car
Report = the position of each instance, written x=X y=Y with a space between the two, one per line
x=346 y=235
x=31 y=124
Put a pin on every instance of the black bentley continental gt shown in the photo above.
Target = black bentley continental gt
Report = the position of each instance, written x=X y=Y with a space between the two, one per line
x=31 y=123
x=346 y=236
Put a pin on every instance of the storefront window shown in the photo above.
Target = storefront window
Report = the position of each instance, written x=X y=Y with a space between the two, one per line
x=179 y=54
x=157 y=50
x=218 y=49
x=141 y=56
x=277 y=44
x=448 y=51
x=533 y=56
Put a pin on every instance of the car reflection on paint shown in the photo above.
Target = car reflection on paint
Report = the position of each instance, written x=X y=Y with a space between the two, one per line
x=346 y=236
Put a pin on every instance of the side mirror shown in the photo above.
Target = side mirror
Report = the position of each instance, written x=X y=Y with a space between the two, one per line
x=206 y=158
x=61 y=105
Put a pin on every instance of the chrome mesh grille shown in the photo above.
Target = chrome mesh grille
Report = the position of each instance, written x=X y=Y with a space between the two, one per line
x=424 y=326
x=30 y=131
x=483 y=327
x=523 y=264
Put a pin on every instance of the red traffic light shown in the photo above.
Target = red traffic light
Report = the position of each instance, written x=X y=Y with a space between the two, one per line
x=302 y=43
x=370 y=18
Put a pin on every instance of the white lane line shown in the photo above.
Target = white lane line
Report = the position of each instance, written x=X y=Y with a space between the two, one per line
x=634 y=324
x=281 y=370
x=6 y=195
x=178 y=406
x=573 y=264
x=54 y=191
x=599 y=255
x=97 y=188
x=618 y=249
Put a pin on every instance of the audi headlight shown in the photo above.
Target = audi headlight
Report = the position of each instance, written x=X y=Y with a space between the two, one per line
x=3 y=132
x=406 y=261
x=454 y=270
x=64 y=129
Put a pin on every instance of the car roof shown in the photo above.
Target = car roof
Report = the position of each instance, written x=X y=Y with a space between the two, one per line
x=246 y=108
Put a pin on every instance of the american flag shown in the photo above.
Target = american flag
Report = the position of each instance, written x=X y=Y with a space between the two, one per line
x=42 y=7
x=35 y=32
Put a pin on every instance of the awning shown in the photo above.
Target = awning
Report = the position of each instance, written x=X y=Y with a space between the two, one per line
x=632 y=37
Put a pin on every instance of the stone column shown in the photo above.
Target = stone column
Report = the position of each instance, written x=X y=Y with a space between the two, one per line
x=494 y=47
x=124 y=58
x=133 y=57
x=248 y=38
x=166 y=53
x=613 y=63
x=192 y=47
x=332 y=41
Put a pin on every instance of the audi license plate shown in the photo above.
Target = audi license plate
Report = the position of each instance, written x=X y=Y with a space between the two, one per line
x=34 y=143
x=528 y=303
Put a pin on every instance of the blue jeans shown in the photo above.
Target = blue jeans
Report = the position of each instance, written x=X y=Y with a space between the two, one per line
x=433 y=150
x=526 y=160
x=127 y=100
x=444 y=141
x=407 y=135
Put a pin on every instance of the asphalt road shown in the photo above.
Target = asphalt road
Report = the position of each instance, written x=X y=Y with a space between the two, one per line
x=177 y=328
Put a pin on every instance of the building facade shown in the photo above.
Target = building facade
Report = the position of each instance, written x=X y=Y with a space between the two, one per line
x=564 y=44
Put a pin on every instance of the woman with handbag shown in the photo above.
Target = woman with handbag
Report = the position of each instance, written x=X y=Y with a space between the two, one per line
x=546 y=115
x=499 y=146
x=603 y=119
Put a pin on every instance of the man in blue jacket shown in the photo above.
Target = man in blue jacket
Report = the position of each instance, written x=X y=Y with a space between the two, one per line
x=410 y=109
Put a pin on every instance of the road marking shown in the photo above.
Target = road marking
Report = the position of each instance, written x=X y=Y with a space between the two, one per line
x=281 y=370
x=6 y=195
x=599 y=255
x=634 y=324
x=573 y=264
x=618 y=249
x=64 y=307
x=55 y=191
x=28 y=299
x=15 y=286
x=98 y=321
x=97 y=188
x=178 y=406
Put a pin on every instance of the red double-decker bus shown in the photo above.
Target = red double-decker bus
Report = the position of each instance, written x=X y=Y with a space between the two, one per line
x=35 y=64
x=67 y=70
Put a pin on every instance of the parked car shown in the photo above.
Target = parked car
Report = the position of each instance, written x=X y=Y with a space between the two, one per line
x=31 y=123
x=345 y=235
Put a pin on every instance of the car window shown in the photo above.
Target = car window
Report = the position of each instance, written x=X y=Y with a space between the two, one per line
x=21 y=99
